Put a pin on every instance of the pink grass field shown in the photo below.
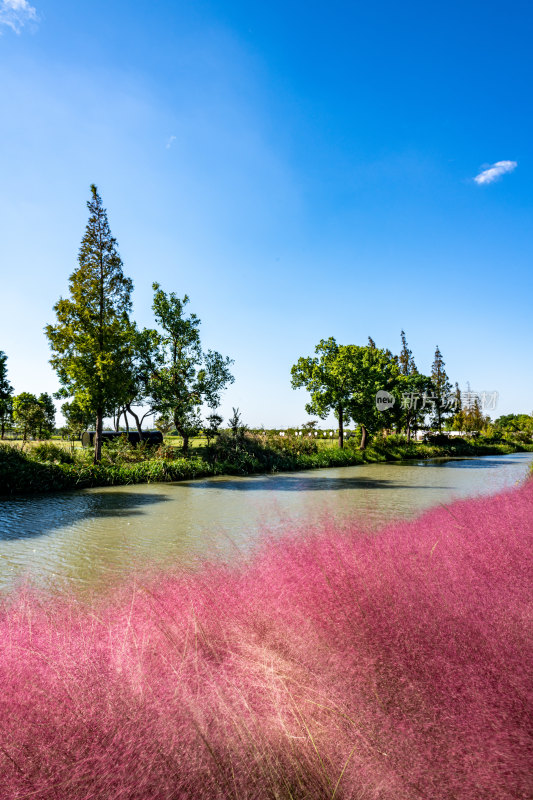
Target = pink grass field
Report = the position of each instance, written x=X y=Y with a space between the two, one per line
x=334 y=665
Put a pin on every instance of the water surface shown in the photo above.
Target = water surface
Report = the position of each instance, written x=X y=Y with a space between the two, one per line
x=84 y=538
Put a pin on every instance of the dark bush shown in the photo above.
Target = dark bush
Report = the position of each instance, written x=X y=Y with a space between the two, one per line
x=47 y=451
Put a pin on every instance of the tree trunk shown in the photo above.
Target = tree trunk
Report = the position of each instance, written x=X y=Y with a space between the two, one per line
x=341 y=427
x=3 y=429
x=98 y=436
x=184 y=436
x=408 y=431
x=364 y=435
x=137 y=422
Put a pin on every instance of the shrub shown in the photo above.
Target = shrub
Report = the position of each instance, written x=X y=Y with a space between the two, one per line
x=47 y=451
x=290 y=443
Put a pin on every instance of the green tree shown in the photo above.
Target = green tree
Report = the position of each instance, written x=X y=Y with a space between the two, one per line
x=77 y=416
x=406 y=361
x=211 y=430
x=181 y=376
x=48 y=417
x=164 y=424
x=441 y=391
x=6 y=396
x=470 y=418
x=310 y=425
x=327 y=378
x=374 y=370
x=411 y=387
x=92 y=340
x=344 y=380
x=512 y=424
x=137 y=378
x=28 y=414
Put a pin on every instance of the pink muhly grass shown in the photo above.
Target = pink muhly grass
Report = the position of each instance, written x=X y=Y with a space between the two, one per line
x=334 y=665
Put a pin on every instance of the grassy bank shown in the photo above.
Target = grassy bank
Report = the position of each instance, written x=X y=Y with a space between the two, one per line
x=45 y=468
x=332 y=666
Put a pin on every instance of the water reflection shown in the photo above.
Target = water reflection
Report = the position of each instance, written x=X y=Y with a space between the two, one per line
x=86 y=538
x=488 y=462
x=302 y=483
x=36 y=516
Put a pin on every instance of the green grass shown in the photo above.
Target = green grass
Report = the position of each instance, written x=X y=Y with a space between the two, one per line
x=22 y=473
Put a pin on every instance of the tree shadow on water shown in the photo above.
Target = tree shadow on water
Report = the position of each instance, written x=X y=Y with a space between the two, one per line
x=26 y=517
x=299 y=483
x=466 y=462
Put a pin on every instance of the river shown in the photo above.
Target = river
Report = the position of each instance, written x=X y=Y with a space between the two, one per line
x=85 y=538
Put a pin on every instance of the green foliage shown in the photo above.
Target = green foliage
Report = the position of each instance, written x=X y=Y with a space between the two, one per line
x=241 y=451
x=6 y=392
x=48 y=416
x=91 y=342
x=181 y=377
x=22 y=473
x=516 y=426
x=375 y=370
x=392 y=440
x=406 y=362
x=441 y=389
x=53 y=453
x=344 y=379
x=237 y=429
x=122 y=451
x=470 y=418
x=411 y=387
x=34 y=416
x=165 y=425
x=295 y=445
x=77 y=416
x=212 y=428
x=28 y=414
x=328 y=379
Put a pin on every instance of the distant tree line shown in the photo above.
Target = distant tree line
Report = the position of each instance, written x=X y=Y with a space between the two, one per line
x=32 y=416
x=351 y=380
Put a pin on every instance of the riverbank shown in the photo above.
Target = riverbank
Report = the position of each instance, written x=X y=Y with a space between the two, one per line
x=329 y=665
x=22 y=473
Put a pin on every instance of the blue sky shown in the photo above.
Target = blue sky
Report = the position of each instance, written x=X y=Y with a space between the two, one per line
x=300 y=170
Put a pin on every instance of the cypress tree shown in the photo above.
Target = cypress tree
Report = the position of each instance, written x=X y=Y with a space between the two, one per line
x=91 y=341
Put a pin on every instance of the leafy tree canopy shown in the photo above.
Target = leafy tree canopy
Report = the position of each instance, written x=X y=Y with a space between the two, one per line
x=28 y=414
x=344 y=379
x=181 y=377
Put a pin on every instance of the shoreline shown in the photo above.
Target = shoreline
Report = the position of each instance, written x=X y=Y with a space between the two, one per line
x=26 y=477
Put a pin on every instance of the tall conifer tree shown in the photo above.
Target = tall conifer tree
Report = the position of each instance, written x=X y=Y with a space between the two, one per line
x=406 y=361
x=91 y=342
x=413 y=386
x=441 y=389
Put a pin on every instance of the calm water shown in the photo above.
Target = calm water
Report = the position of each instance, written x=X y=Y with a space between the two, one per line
x=84 y=538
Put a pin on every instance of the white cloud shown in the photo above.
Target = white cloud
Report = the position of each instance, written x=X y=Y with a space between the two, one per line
x=169 y=142
x=16 y=13
x=495 y=171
